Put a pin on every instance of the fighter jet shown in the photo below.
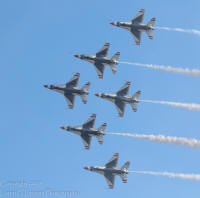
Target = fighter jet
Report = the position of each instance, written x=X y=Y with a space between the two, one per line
x=110 y=170
x=100 y=59
x=136 y=26
x=121 y=98
x=87 y=130
x=71 y=89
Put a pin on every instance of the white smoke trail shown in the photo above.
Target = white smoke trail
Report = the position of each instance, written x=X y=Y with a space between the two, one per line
x=164 y=139
x=190 y=31
x=171 y=175
x=186 y=71
x=190 y=106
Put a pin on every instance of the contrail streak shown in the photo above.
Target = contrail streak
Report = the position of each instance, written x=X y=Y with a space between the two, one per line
x=171 y=175
x=186 y=71
x=190 y=31
x=189 y=106
x=194 y=143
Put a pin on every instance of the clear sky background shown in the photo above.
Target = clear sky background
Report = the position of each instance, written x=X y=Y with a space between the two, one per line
x=38 y=39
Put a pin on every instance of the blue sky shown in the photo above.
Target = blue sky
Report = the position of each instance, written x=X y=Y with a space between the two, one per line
x=38 y=39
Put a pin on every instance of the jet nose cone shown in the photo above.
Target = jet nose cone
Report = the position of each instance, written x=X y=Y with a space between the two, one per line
x=46 y=86
x=98 y=95
x=86 y=168
x=62 y=127
x=113 y=23
x=76 y=55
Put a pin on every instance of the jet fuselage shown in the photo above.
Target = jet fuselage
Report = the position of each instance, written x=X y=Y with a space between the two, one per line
x=137 y=26
x=105 y=170
x=70 y=90
x=114 y=98
x=95 y=59
x=81 y=131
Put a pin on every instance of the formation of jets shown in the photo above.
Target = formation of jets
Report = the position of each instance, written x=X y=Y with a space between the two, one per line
x=120 y=98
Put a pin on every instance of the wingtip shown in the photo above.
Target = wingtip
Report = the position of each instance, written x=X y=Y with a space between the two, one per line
x=101 y=76
x=70 y=106
x=142 y=10
x=94 y=115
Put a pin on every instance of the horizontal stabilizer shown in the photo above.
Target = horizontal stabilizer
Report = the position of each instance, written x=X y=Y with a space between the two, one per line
x=100 y=139
x=151 y=22
x=113 y=68
x=126 y=166
x=116 y=56
x=136 y=95
x=124 y=178
x=102 y=127
x=86 y=86
x=150 y=34
x=84 y=98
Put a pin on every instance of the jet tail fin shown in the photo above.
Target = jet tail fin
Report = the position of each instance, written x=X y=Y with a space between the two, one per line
x=151 y=22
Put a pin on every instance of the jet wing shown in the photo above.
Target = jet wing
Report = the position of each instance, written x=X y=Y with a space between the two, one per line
x=124 y=90
x=139 y=18
x=73 y=81
x=86 y=141
x=70 y=100
x=120 y=107
x=113 y=161
x=104 y=50
x=90 y=122
x=137 y=36
x=110 y=178
x=99 y=69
